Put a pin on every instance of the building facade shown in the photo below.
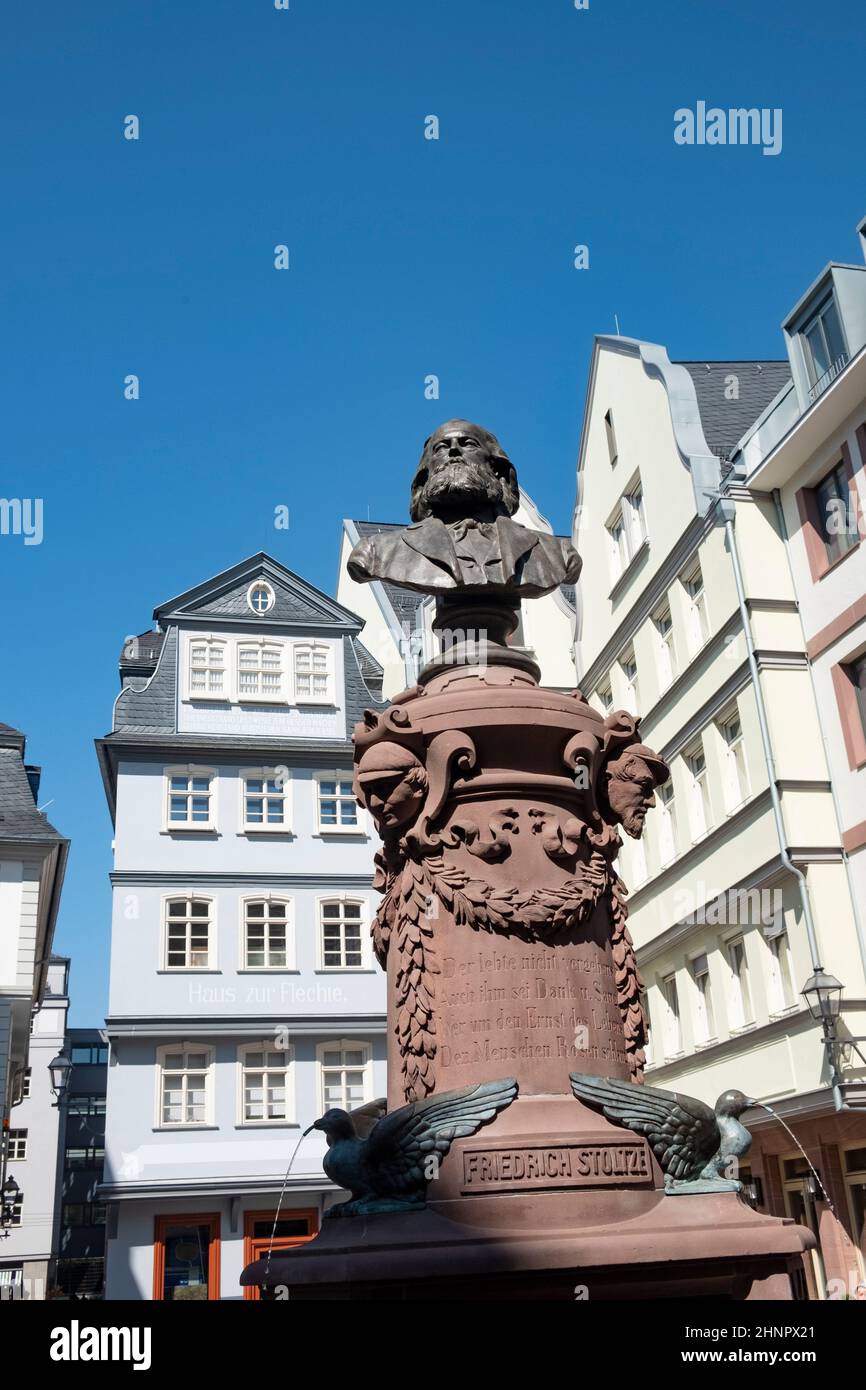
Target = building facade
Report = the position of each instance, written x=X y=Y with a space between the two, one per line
x=33 y=1143
x=688 y=614
x=398 y=629
x=79 y=1270
x=33 y=859
x=244 y=998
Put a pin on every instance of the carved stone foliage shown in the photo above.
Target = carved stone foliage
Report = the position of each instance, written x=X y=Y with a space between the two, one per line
x=416 y=790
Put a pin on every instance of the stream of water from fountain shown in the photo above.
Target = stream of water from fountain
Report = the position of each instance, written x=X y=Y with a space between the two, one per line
x=770 y=1111
x=280 y=1202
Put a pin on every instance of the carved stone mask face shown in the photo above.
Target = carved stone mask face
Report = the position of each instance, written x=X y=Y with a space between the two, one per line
x=394 y=798
x=630 y=792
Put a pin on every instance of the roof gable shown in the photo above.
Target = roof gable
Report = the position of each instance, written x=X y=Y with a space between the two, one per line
x=297 y=603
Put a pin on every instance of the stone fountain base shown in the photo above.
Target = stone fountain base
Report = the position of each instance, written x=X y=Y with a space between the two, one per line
x=553 y=1202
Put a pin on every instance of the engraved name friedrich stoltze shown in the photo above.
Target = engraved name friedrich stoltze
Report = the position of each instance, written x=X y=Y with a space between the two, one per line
x=555 y=1165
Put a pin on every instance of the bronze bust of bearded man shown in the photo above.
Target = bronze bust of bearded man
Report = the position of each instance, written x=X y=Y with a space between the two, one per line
x=464 y=495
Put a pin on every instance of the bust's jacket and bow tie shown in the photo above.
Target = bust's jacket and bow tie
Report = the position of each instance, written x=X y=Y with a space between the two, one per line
x=491 y=556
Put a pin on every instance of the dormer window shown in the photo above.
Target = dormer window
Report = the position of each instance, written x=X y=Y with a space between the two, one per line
x=260 y=597
x=260 y=671
x=312 y=665
x=824 y=347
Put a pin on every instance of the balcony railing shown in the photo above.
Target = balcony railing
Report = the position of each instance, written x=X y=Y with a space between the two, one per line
x=830 y=375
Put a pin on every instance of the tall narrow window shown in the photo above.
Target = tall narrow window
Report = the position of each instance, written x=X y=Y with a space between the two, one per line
x=734 y=762
x=265 y=1084
x=610 y=432
x=664 y=632
x=344 y=1071
x=207 y=668
x=190 y=798
x=340 y=923
x=700 y=816
x=605 y=698
x=187 y=933
x=697 y=628
x=260 y=671
x=338 y=809
x=826 y=353
x=780 y=990
x=648 y=1044
x=629 y=670
x=836 y=513
x=312 y=673
x=626 y=530
x=671 y=1014
x=266 y=928
x=741 y=995
x=667 y=823
x=184 y=1079
x=705 y=1022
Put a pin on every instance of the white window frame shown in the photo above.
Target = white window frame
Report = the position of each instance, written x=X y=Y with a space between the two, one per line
x=740 y=1001
x=632 y=682
x=261 y=697
x=735 y=772
x=302 y=698
x=188 y=896
x=261 y=584
x=345 y=1045
x=16 y=1145
x=780 y=966
x=666 y=650
x=705 y=1009
x=185 y=1048
x=695 y=601
x=209 y=641
x=672 y=1028
x=605 y=689
x=189 y=771
x=667 y=823
x=244 y=903
x=344 y=899
x=338 y=777
x=288 y=1073
x=700 y=805
x=266 y=774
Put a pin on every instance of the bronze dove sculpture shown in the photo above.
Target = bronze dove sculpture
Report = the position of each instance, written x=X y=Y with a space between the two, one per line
x=693 y=1144
x=390 y=1168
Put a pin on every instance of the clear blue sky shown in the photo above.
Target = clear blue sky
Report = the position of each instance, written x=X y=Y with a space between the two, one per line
x=408 y=257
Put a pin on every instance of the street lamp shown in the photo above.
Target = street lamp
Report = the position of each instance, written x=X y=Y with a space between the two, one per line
x=10 y=1192
x=60 y=1070
x=823 y=994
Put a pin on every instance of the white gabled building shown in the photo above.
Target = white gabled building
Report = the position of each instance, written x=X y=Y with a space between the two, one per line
x=688 y=615
x=244 y=997
x=33 y=859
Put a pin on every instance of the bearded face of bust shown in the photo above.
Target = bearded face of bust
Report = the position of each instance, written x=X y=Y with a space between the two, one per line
x=463 y=473
x=630 y=792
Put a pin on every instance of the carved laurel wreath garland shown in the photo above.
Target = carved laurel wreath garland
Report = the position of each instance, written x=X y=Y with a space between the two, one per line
x=408 y=913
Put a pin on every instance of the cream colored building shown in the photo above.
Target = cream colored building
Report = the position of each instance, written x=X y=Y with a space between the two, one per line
x=740 y=886
x=398 y=630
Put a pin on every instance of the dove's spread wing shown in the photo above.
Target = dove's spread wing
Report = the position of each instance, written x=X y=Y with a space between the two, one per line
x=366 y=1116
x=401 y=1142
x=682 y=1131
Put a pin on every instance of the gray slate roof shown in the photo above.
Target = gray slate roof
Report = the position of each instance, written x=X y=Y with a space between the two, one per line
x=19 y=818
x=149 y=702
x=726 y=421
